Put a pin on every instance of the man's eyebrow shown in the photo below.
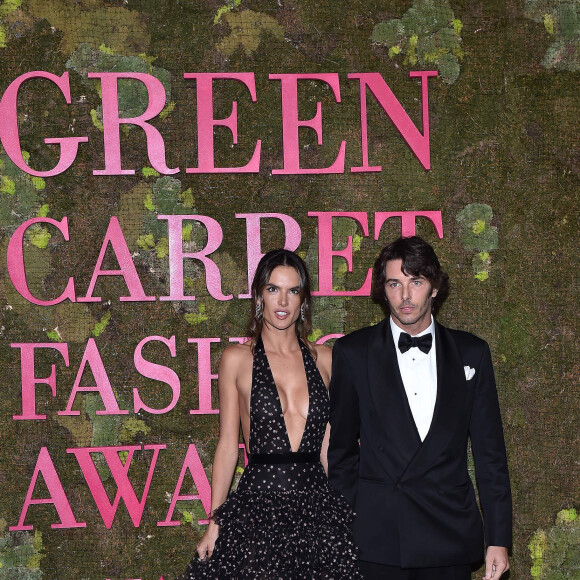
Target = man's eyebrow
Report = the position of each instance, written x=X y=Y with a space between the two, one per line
x=412 y=277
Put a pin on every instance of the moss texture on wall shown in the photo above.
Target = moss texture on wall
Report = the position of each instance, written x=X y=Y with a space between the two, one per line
x=504 y=123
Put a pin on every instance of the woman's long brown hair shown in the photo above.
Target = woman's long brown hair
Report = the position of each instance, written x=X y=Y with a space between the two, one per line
x=267 y=264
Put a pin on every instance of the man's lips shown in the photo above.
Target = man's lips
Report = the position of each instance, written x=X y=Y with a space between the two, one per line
x=406 y=309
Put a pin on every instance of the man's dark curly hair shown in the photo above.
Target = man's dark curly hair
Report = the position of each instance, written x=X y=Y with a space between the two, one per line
x=418 y=259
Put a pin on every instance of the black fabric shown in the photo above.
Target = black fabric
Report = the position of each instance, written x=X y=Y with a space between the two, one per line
x=279 y=458
x=284 y=522
x=423 y=343
x=373 y=571
x=415 y=502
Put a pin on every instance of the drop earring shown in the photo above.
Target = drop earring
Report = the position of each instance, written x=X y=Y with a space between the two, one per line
x=258 y=310
x=302 y=312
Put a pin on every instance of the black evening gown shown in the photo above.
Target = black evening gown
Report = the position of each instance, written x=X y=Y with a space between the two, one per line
x=284 y=521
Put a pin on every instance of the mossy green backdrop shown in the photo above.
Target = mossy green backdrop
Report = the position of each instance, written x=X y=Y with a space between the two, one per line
x=505 y=170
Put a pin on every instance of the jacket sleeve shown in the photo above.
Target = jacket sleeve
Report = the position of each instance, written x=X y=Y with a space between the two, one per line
x=489 y=453
x=344 y=450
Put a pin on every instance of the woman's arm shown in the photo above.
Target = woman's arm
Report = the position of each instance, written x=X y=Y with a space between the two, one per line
x=227 y=450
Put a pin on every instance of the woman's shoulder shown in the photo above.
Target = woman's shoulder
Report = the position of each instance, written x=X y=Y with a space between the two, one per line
x=323 y=357
x=323 y=352
x=237 y=354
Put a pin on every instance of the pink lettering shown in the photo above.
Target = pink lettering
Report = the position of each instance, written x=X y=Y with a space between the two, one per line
x=327 y=337
x=176 y=255
x=17 y=268
x=291 y=123
x=158 y=373
x=204 y=375
x=292 y=237
x=57 y=496
x=9 y=127
x=192 y=462
x=408 y=221
x=127 y=269
x=240 y=339
x=243 y=448
x=326 y=253
x=418 y=143
x=103 y=386
x=119 y=471
x=29 y=380
x=206 y=123
x=112 y=122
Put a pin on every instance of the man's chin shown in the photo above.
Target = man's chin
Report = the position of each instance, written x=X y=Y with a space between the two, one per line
x=407 y=320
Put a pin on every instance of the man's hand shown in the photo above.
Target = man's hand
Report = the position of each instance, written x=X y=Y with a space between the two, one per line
x=496 y=562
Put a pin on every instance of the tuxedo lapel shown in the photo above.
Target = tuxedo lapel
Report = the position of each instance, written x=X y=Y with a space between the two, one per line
x=393 y=414
x=449 y=404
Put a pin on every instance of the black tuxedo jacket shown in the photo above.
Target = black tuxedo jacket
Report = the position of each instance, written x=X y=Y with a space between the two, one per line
x=414 y=500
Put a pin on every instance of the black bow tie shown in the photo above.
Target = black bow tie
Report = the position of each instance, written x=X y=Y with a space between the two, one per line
x=423 y=343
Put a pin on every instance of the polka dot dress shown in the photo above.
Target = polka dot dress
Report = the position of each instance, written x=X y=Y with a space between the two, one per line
x=284 y=522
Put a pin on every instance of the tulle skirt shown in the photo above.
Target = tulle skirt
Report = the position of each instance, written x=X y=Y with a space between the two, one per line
x=281 y=535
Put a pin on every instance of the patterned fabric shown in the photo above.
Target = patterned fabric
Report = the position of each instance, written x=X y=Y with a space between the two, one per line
x=267 y=427
x=284 y=522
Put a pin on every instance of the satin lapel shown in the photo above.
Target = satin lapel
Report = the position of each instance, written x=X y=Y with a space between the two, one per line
x=393 y=414
x=450 y=403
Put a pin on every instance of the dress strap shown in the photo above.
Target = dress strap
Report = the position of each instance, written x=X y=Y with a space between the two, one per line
x=258 y=345
x=277 y=458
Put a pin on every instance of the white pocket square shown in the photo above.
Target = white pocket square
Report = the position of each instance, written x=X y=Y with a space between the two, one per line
x=469 y=373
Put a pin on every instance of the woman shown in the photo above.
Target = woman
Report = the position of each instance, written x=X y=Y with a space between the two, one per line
x=283 y=521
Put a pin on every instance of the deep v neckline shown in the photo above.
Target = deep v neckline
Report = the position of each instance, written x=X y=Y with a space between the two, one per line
x=279 y=400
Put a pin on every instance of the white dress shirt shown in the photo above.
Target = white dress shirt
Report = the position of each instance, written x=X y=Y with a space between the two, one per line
x=419 y=374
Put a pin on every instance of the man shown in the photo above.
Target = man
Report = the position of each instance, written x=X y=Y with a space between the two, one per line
x=406 y=395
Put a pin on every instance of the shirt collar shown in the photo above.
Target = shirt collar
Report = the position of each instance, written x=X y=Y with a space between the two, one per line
x=396 y=330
